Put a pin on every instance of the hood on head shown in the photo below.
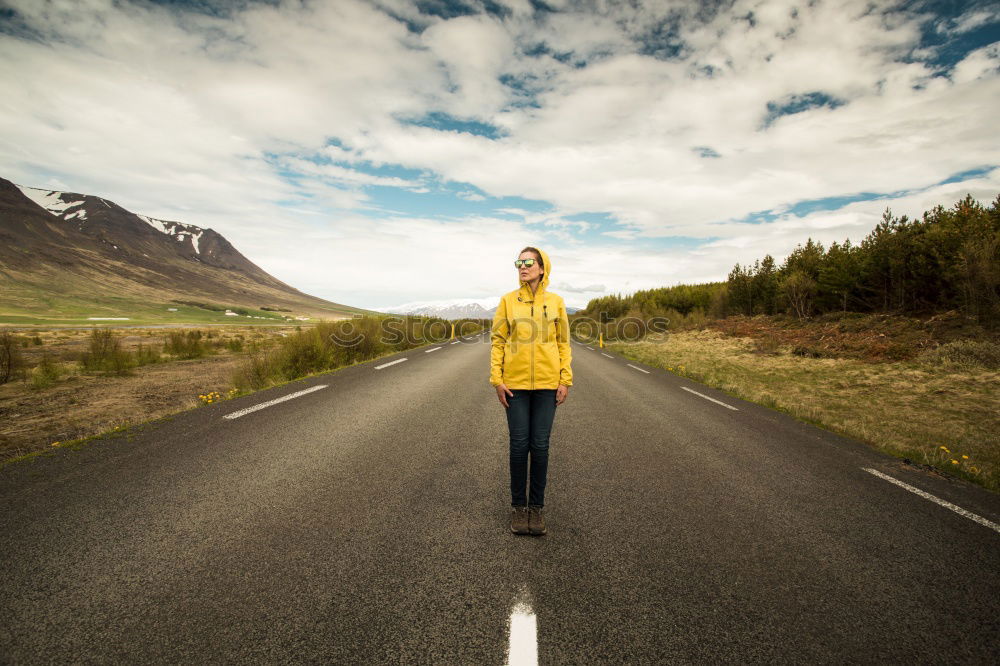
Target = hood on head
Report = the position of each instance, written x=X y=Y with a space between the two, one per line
x=544 y=283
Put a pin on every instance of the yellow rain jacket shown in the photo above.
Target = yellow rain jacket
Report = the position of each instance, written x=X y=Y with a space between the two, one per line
x=530 y=337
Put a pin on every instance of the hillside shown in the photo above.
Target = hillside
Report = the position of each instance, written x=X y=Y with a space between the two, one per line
x=68 y=258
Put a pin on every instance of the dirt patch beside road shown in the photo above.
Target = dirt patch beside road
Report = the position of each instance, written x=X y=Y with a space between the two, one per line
x=79 y=404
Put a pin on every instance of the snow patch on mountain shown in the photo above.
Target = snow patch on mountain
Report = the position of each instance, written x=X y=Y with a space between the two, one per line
x=179 y=231
x=52 y=201
x=68 y=208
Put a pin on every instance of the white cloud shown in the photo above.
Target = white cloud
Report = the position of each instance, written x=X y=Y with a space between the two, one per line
x=186 y=116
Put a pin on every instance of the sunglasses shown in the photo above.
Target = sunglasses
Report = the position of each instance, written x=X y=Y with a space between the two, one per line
x=524 y=262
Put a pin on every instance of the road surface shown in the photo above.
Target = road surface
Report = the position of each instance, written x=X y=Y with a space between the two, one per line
x=367 y=522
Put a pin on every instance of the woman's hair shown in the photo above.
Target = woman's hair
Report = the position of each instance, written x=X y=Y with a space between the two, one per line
x=541 y=262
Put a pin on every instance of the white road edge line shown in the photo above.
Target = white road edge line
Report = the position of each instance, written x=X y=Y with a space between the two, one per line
x=386 y=365
x=590 y=348
x=248 y=410
x=457 y=341
x=428 y=351
x=639 y=369
x=608 y=355
x=522 y=650
x=937 y=500
x=718 y=402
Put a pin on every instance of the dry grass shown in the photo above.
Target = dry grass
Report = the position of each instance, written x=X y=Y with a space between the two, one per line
x=79 y=404
x=906 y=408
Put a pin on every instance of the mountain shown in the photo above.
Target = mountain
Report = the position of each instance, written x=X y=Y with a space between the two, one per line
x=64 y=255
x=453 y=309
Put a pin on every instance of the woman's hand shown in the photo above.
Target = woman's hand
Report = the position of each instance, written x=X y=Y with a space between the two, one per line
x=561 y=394
x=502 y=393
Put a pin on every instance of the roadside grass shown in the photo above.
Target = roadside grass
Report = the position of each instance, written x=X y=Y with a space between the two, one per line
x=126 y=428
x=60 y=391
x=909 y=409
x=330 y=345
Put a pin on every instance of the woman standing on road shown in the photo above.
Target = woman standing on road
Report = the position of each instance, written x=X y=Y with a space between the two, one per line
x=530 y=369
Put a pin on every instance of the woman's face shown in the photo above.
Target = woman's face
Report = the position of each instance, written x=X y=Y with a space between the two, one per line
x=529 y=273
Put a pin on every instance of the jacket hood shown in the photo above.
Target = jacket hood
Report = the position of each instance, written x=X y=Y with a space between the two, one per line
x=543 y=285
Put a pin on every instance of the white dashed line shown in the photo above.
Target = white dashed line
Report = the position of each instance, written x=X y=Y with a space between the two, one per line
x=428 y=351
x=523 y=646
x=386 y=365
x=639 y=369
x=937 y=500
x=608 y=355
x=718 y=402
x=248 y=410
x=590 y=348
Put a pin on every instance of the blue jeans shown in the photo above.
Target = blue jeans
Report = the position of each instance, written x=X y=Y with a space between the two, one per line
x=529 y=419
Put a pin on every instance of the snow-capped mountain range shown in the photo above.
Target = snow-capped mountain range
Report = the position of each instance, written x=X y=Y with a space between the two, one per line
x=458 y=308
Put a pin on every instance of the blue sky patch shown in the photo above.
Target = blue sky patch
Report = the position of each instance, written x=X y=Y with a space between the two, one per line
x=808 y=206
x=444 y=122
x=793 y=104
x=938 y=33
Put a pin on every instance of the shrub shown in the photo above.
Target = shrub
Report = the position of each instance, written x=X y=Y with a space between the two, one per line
x=10 y=357
x=46 y=373
x=105 y=354
x=185 y=344
x=964 y=354
x=256 y=372
x=147 y=355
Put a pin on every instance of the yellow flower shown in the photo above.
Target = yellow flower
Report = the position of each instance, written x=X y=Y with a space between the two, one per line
x=965 y=457
x=954 y=462
x=55 y=443
x=945 y=449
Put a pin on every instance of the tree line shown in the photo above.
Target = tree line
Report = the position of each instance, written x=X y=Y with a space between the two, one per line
x=947 y=259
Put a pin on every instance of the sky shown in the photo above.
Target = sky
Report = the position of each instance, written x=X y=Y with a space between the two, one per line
x=382 y=152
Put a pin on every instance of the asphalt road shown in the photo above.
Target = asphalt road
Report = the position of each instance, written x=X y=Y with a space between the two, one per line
x=367 y=522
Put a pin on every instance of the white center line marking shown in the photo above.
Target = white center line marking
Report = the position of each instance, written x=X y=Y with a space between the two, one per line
x=428 y=351
x=639 y=369
x=386 y=365
x=937 y=500
x=590 y=348
x=718 y=402
x=523 y=646
x=608 y=355
x=248 y=410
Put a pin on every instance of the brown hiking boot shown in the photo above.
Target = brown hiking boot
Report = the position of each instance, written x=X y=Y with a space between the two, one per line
x=519 y=520
x=536 y=521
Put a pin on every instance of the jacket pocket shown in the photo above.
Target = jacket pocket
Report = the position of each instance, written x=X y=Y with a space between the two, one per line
x=547 y=364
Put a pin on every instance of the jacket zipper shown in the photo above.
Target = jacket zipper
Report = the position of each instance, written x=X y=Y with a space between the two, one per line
x=532 y=349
